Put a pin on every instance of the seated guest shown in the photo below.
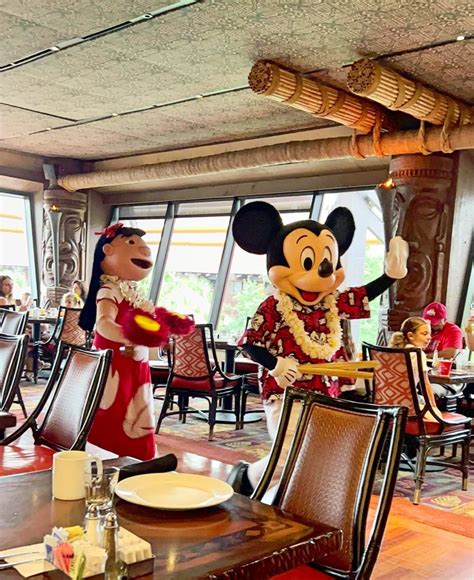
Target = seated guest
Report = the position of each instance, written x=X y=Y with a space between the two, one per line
x=6 y=291
x=446 y=337
x=26 y=302
x=71 y=300
x=80 y=290
x=415 y=332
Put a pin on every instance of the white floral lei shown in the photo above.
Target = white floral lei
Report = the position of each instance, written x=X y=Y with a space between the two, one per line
x=316 y=345
x=128 y=289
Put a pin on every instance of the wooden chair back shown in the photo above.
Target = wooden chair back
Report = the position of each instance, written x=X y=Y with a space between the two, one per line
x=194 y=361
x=12 y=322
x=12 y=359
x=330 y=471
x=70 y=399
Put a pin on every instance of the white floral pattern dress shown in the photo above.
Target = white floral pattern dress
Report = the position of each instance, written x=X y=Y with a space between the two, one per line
x=124 y=423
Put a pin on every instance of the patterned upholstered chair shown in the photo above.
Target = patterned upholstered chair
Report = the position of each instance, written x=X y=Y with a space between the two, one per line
x=427 y=428
x=68 y=405
x=195 y=374
x=12 y=322
x=329 y=476
x=12 y=359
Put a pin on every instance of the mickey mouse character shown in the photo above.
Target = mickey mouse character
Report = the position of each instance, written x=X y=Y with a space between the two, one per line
x=300 y=323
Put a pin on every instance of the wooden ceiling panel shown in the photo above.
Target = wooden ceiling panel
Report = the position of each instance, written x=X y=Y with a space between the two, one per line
x=204 y=48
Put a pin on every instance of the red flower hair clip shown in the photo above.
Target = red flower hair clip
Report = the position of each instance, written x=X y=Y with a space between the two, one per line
x=110 y=231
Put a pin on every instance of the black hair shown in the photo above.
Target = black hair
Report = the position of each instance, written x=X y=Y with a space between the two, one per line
x=89 y=312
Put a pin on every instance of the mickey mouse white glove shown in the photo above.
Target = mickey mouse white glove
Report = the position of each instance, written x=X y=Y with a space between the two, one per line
x=286 y=372
x=396 y=258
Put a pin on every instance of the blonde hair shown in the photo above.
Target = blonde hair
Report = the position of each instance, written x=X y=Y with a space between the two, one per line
x=71 y=297
x=400 y=339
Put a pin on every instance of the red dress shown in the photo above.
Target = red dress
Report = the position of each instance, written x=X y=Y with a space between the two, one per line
x=124 y=423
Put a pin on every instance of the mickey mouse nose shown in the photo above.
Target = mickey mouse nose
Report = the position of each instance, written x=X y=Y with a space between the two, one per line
x=325 y=268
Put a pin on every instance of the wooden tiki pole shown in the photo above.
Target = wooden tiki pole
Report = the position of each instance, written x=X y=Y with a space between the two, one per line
x=420 y=208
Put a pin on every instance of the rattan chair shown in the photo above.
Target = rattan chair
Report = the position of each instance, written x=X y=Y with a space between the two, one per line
x=329 y=475
x=12 y=359
x=427 y=428
x=194 y=374
x=12 y=322
x=68 y=406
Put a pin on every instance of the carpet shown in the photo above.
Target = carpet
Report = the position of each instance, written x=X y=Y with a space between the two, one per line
x=441 y=491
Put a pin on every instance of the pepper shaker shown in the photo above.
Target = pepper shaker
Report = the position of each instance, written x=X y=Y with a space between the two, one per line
x=113 y=568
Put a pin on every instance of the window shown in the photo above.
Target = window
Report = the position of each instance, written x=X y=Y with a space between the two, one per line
x=194 y=258
x=248 y=284
x=16 y=253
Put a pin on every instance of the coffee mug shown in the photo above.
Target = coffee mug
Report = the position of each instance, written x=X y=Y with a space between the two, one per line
x=68 y=473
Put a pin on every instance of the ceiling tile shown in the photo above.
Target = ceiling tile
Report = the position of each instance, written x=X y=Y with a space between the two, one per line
x=16 y=122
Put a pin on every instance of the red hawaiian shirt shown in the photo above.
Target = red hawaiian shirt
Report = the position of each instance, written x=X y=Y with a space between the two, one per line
x=268 y=330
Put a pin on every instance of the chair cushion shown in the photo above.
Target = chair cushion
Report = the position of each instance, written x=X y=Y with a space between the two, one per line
x=433 y=428
x=15 y=459
x=7 y=420
x=204 y=385
x=301 y=573
x=244 y=365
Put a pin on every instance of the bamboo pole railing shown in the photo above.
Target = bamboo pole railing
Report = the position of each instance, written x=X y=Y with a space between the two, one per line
x=385 y=86
x=320 y=100
x=399 y=143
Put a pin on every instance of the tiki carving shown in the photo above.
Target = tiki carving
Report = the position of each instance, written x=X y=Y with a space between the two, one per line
x=71 y=237
x=419 y=207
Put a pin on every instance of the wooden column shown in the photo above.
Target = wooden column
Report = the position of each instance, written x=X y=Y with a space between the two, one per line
x=420 y=208
x=71 y=250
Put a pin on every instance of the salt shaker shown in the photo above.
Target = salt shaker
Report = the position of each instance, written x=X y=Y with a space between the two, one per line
x=93 y=526
x=114 y=568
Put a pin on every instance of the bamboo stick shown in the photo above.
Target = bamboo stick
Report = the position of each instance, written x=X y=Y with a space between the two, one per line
x=365 y=364
x=313 y=97
x=399 y=143
x=331 y=370
x=385 y=86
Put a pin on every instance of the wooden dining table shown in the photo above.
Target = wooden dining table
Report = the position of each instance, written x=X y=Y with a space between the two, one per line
x=239 y=539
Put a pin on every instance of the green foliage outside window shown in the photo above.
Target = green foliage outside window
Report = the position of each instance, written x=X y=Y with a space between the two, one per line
x=19 y=275
x=243 y=303
x=188 y=294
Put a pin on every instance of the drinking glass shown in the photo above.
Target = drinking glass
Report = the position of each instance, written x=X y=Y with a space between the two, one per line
x=100 y=486
x=444 y=368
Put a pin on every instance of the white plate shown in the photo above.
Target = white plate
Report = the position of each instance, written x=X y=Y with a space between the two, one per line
x=174 y=491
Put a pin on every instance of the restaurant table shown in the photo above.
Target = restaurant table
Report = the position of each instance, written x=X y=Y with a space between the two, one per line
x=36 y=336
x=456 y=377
x=240 y=538
x=225 y=416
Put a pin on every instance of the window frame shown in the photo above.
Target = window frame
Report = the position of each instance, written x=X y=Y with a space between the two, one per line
x=172 y=213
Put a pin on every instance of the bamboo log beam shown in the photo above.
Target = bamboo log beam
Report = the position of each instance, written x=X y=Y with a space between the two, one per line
x=385 y=86
x=320 y=100
x=399 y=143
